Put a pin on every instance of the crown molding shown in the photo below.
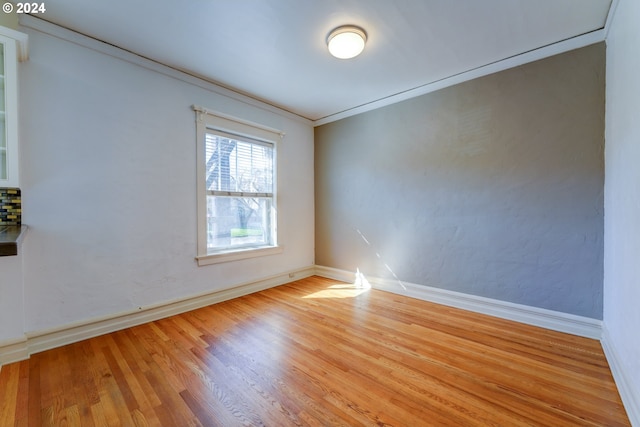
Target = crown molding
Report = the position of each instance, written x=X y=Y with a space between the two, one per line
x=494 y=67
x=46 y=27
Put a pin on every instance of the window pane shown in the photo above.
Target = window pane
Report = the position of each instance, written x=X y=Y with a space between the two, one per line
x=234 y=222
x=240 y=166
x=3 y=135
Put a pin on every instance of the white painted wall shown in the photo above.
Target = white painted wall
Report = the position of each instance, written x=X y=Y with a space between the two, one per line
x=622 y=197
x=108 y=184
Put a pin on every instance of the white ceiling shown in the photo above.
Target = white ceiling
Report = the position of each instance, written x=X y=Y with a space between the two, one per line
x=274 y=50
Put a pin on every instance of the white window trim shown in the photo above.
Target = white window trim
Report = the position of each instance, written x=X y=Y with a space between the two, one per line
x=211 y=120
x=237 y=255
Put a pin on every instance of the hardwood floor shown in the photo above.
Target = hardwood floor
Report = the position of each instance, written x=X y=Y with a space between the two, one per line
x=317 y=352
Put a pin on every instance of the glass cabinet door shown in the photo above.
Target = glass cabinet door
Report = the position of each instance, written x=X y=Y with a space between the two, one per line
x=13 y=48
x=3 y=134
x=8 y=111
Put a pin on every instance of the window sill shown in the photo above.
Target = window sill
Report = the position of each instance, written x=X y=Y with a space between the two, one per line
x=237 y=255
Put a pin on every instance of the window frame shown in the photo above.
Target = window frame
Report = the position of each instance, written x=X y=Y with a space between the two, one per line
x=208 y=121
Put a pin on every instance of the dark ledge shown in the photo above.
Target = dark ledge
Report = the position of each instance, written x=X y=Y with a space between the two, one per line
x=10 y=238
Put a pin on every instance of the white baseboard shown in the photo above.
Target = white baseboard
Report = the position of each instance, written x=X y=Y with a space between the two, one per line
x=14 y=350
x=630 y=400
x=36 y=342
x=549 y=319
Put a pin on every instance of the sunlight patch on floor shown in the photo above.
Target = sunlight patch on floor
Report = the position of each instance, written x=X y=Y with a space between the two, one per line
x=346 y=290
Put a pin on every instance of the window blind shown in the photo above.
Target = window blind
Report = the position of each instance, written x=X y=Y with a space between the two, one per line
x=238 y=166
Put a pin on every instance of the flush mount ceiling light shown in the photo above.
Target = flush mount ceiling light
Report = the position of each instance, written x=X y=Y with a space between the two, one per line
x=346 y=42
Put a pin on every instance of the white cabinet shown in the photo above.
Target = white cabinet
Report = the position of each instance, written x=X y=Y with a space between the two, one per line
x=13 y=47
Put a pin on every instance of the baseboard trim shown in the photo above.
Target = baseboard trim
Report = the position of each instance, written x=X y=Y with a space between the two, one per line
x=629 y=399
x=549 y=319
x=36 y=342
x=14 y=350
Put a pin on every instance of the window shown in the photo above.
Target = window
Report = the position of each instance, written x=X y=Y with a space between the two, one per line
x=239 y=176
x=236 y=189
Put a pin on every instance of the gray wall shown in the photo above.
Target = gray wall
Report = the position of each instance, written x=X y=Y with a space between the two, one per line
x=493 y=187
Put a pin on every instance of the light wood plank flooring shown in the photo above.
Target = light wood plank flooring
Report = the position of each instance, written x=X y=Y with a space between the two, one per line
x=317 y=352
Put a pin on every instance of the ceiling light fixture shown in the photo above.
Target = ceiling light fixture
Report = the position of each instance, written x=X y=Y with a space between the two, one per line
x=346 y=42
